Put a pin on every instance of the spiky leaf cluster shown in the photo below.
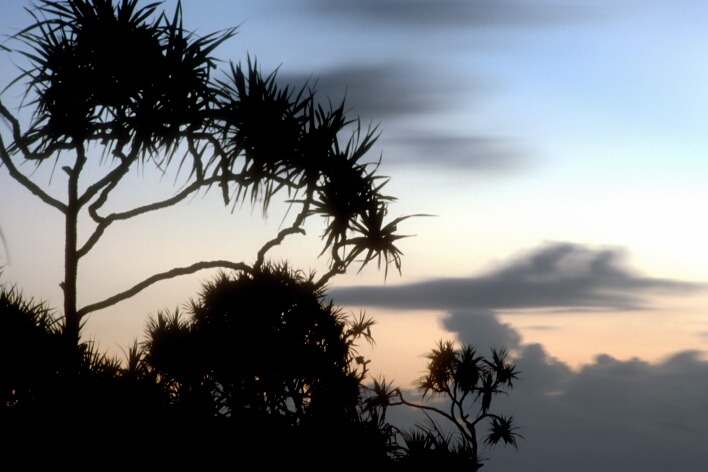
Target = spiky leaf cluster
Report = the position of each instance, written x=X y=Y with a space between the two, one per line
x=468 y=382
x=262 y=343
x=115 y=73
x=133 y=81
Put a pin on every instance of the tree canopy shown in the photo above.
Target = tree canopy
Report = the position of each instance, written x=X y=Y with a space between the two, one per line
x=129 y=85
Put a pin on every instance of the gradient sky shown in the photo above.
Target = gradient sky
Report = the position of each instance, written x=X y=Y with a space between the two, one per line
x=561 y=146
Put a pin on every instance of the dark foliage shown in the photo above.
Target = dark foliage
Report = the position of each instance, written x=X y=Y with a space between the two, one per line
x=261 y=367
x=263 y=349
x=125 y=83
x=41 y=380
x=467 y=383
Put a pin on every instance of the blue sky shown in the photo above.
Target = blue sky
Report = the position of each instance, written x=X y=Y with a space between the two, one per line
x=562 y=148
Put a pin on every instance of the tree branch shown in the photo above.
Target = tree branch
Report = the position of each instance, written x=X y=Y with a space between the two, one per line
x=337 y=269
x=19 y=141
x=26 y=182
x=452 y=419
x=111 y=180
x=105 y=221
x=14 y=172
x=293 y=229
x=159 y=277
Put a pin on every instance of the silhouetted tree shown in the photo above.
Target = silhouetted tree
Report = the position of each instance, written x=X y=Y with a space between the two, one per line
x=468 y=382
x=264 y=351
x=129 y=85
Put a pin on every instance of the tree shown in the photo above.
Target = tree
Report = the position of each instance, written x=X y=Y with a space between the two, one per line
x=468 y=382
x=263 y=352
x=130 y=85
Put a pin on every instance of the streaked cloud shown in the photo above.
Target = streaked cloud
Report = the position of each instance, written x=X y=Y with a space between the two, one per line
x=385 y=90
x=445 y=14
x=382 y=93
x=458 y=153
x=559 y=275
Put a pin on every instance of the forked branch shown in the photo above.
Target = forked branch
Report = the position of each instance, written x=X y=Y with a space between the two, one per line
x=19 y=176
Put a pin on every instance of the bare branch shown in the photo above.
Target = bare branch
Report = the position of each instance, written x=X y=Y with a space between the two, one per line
x=159 y=277
x=20 y=142
x=295 y=228
x=452 y=419
x=111 y=180
x=26 y=182
x=105 y=221
x=336 y=269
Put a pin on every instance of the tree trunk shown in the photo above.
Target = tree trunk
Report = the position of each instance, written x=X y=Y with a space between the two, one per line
x=71 y=262
x=72 y=321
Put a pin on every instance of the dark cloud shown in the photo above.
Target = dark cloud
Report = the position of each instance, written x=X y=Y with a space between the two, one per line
x=611 y=415
x=383 y=91
x=542 y=328
x=560 y=275
x=379 y=94
x=482 y=328
x=445 y=14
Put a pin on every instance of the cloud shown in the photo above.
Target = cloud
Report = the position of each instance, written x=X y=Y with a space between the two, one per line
x=611 y=415
x=445 y=14
x=482 y=329
x=382 y=91
x=559 y=275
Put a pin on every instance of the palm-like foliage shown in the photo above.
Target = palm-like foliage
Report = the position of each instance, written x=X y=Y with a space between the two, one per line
x=135 y=84
x=469 y=382
x=110 y=72
x=119 y=78
x=262 y=343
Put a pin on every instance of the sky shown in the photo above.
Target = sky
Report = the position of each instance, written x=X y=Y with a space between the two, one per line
x=561 y=148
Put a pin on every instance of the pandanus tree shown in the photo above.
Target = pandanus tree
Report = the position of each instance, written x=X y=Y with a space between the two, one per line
x=130 y=86
x=266 y=352
x=467 y=383
x=260 y=342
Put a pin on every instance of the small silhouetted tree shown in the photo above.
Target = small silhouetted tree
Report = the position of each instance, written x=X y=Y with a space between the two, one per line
x=128 y=85
x=467 y=383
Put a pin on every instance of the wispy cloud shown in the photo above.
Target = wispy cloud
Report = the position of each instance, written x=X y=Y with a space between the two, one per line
x=383 y=93
x=458 y=153
x=386 y=90
x=559 y=275
x=445 y=14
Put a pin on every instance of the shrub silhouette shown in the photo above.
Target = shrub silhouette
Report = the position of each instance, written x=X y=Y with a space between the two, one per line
x=38 y=384
x=265 y=352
